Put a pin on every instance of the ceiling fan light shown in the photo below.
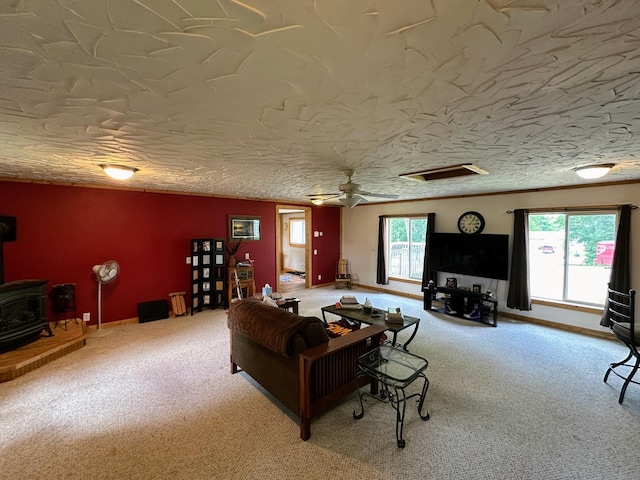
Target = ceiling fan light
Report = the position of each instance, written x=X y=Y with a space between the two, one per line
x=350 y=201
x=590 y=172
x=317 y=201
x=119 y=172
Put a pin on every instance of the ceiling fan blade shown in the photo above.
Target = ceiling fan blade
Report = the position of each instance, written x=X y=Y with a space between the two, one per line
x=376 y=195
x=324 y=195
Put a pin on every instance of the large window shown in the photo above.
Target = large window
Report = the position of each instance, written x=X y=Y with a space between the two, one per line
x=570 y=255
x=406 y=245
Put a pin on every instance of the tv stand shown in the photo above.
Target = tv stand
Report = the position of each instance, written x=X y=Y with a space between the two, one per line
x=463 y=302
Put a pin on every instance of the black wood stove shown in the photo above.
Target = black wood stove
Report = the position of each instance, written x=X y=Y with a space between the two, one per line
x=23 y=313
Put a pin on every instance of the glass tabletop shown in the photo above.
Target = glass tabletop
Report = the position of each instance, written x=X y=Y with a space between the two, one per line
x=375 y=317
x=392 y=365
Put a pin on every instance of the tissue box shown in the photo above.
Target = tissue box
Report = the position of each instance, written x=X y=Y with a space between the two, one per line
x=266 y=290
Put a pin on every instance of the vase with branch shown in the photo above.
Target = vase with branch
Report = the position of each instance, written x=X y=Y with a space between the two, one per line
x=232 y=248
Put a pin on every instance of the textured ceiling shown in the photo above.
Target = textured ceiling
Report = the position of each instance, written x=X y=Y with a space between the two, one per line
x=273 y=99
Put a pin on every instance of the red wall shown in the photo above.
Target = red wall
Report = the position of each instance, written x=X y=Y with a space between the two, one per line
x=62 y=231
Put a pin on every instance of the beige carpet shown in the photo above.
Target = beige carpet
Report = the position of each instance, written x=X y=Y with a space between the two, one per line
x=157 y=401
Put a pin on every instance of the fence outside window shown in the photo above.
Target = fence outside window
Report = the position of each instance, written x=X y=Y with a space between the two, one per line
x=406 y=260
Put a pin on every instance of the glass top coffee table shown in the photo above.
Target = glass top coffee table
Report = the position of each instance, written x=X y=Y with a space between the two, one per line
x=376 y=317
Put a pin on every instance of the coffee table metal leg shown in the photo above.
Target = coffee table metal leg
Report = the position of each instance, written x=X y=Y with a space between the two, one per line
x=415 y=330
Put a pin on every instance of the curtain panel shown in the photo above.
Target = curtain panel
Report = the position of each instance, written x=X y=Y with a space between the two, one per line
x=381 y=274
x=620 y=279
x=519 y=296
x=428 y=274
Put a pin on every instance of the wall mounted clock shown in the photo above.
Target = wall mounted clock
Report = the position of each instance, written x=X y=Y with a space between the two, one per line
x=471 y=223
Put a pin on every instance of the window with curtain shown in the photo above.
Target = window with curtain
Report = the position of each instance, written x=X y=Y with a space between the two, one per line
x=570 y=255
x=406 y=247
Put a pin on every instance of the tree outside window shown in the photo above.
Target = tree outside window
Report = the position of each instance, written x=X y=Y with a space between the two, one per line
x=406 y=244
x=570 y=255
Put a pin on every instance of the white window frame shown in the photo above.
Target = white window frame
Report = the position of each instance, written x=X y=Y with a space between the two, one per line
x=297 y=232
x=392 y=267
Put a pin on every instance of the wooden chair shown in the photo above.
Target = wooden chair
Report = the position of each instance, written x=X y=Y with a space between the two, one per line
x=343 y=274
x=623 y=323
x=178 y=304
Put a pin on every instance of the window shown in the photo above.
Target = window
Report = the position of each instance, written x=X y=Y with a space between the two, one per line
x=296 y=232
x=570 y=255
x=406 y=244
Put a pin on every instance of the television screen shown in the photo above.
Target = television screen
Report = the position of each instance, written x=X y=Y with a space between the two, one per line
x=485 y=256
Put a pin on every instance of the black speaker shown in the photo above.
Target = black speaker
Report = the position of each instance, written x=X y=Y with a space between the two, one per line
x=7 y=229
x=150 y=311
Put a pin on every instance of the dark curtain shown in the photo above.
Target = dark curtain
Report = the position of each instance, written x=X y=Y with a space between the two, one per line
x=620 y=267
x=381 y=276
x=426 y=273
x=519 y=295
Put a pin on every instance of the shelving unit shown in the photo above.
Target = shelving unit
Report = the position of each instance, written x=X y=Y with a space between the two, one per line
x=463 y=302
x=246 y=280
x=207 y=274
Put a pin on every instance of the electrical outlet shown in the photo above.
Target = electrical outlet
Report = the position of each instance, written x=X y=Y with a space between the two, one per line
x=86 y=317
x=188 y=260
x=319 y=277
x=246 y=256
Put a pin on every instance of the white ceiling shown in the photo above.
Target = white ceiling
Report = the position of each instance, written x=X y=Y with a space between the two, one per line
x=273 y=99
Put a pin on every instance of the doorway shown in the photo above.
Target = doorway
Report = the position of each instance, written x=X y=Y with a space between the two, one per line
x=293 y=248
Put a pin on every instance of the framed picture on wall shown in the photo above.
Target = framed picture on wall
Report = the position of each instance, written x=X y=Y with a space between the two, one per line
x=477 y=288
x=245 y=228
x=452 y=282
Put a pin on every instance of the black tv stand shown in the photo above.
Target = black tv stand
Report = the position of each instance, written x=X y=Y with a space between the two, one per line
x=463 y=302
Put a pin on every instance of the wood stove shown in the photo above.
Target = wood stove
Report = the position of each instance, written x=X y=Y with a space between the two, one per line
x=23 y=313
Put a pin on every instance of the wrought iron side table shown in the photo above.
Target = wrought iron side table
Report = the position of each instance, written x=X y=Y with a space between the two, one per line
x=394 y=369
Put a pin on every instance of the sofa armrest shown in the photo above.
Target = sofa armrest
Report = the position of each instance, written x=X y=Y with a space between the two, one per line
x=341 y=377
x=339 y=343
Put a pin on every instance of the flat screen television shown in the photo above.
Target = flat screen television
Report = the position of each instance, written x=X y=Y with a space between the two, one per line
x=485 y=256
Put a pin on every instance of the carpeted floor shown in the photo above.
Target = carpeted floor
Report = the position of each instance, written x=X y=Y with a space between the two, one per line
x=157 y=401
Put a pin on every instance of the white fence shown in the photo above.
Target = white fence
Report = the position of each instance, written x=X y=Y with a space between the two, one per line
x=406 y=261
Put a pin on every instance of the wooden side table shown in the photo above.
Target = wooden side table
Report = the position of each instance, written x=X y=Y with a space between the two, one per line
x=289 y=303
x=245 y=279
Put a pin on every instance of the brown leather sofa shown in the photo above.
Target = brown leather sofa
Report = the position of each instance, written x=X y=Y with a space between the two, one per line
x=294 y=359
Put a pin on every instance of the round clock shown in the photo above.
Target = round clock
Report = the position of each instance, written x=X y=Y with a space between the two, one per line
x=470 y=223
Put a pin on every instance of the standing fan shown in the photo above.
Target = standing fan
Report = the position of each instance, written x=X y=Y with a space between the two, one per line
x=105 y=273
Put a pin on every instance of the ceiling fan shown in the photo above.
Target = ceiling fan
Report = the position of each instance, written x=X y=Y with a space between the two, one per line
x=351 y=191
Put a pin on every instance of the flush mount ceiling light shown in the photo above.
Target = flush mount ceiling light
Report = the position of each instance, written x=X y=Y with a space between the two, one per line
x=594 y=171
x=119 y=172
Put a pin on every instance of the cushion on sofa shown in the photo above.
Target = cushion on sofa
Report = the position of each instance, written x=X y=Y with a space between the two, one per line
x=279 y=330
x=315 y=332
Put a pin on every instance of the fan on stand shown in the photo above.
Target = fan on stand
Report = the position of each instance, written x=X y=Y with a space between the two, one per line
x=105 y=273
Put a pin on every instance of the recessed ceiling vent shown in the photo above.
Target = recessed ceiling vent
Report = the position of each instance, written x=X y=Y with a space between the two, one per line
x=445 y=172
